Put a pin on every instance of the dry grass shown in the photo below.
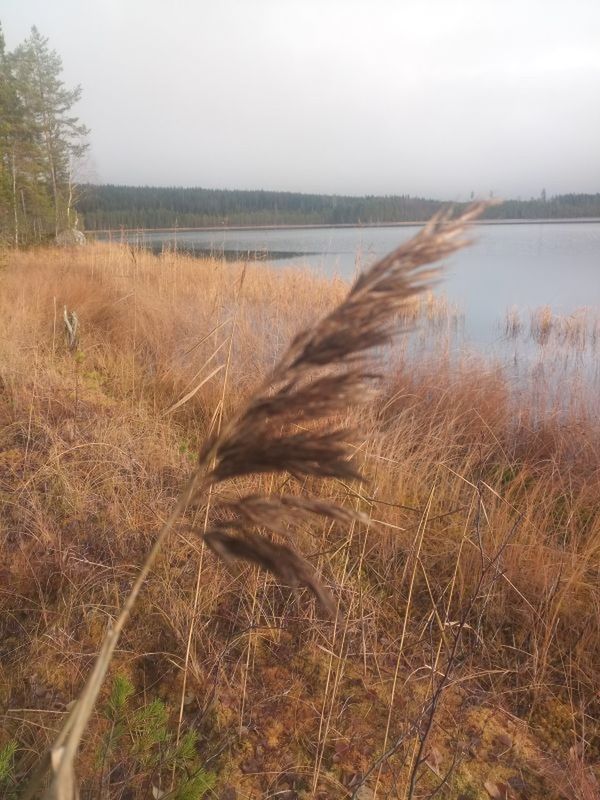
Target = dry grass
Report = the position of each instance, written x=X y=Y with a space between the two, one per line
x=480 y=516
x=578 y=331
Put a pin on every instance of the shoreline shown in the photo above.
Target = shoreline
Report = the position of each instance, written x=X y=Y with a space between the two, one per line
x=316 y=225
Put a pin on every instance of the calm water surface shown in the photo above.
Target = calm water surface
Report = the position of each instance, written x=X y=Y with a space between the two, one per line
x=523 y=265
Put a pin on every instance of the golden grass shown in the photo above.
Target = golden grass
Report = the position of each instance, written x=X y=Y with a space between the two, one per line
x=578 y=332
x=463 y=473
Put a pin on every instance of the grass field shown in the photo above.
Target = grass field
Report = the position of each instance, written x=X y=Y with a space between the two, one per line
x=464 y=660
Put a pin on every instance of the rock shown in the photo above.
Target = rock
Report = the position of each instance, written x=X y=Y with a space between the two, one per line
x=70 y=237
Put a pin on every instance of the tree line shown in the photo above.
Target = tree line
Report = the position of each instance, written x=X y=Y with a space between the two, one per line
x=112 y=207
x=40 y=143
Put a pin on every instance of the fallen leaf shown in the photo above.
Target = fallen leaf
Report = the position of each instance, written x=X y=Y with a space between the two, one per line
x=496 y=790
x=504 y=741
x=434 y=761
x=576 y=752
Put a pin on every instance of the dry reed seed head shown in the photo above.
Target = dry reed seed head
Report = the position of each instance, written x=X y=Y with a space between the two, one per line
x=324 y=454
x=278 y=559
x=309 y=398
x=342 y=343
x=279 y=512
x=259 y=439
x=363 y=321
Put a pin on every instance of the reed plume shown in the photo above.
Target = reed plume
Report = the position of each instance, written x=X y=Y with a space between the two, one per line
x=323 y=371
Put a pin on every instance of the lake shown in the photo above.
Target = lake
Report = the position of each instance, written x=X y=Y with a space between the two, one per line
x=524 y=265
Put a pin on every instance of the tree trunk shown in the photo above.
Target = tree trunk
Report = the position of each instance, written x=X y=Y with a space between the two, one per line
x=15 y=201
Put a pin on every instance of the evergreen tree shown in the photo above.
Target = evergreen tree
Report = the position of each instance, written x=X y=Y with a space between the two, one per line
x=168 y=207
x=10 y=115
x=59 y=136
x=39 y=140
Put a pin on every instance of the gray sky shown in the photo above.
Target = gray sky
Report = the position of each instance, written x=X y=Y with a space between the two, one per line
x=428 y=97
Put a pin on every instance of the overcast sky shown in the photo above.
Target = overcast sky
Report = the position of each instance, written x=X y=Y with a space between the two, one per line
x=428 y=97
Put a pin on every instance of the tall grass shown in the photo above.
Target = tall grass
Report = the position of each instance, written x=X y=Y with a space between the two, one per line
x=479 y=517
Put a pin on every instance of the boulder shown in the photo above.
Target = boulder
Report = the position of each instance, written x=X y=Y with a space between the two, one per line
x=70 y=237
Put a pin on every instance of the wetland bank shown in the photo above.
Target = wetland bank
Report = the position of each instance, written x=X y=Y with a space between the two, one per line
x=466 y=476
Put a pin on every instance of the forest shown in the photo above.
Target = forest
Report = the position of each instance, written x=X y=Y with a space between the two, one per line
x=108 y=207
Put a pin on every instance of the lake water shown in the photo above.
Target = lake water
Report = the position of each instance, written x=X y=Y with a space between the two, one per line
x=509 y=265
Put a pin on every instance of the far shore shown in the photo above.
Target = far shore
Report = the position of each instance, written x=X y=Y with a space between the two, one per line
x=414 y=224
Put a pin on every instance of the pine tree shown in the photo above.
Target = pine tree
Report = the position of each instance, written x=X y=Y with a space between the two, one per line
x=9 y=127
x=56 y=137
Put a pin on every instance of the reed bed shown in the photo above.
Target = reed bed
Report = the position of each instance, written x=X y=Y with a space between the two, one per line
x=578 y=331
x=459 y=656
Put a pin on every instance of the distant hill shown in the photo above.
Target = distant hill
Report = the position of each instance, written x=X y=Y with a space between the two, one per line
x=110 y=206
